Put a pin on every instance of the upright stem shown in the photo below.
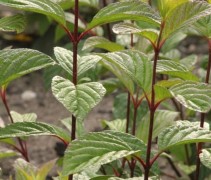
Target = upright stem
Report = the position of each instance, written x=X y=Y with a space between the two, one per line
x=152 y=104
x=108 y=28
x=199 y=147
x=75 y=72
x=128 y=113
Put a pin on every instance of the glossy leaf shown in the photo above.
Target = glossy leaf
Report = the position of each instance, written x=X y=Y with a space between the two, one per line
x=127 y=28
x=193 y=95
x=99 y=148
x=15 y=23
x=102 y=43
x=175 y=69
x=134 y=64
x=183 y=16
x=205 y=157
x=30 y=117
x=64 y=58
x=46 y=7
x=162 y=120
x=182 y=134
x=15 y=63
x=26 y=129
x=79 y=99
x=133 y=10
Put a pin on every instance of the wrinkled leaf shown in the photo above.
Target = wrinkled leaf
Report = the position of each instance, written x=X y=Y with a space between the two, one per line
x=30 y=117
x=15 y=23
x=15 y=63
x=193 y=95
x=46 y=7
x=79 y=99
x=115 y=125
x=205 y=157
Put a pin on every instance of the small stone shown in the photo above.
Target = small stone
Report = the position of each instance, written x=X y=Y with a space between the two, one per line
x=28 y=95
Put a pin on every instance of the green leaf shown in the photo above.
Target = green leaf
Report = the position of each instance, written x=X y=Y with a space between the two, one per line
x=133 y=10
x=175 y=69
x=115 y=125
x=162 y=120
x=165 y=6
x=193 y=95
x=205 y=157
x=79 y=99
x=183 y=16
x=99 y=148
x=102 y=43
x=43 y=171
x=15 y=63
x=189 y=61
x=161 y=93
x=46 y=7
x=134 y=64
x=30 y=117
x=182 y=133
x=203 y=26
x=64 y=58
x=24 y=170
x=6 y=153
x=13 y=23
x=26 y=129
x=128 y=28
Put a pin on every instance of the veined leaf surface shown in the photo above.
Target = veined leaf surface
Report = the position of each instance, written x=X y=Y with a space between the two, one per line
x=182 y=134
x=79 y=99
x=13 y=23
x=103 y=43
x=64 y=58
x=99 y=148
x=29 y=117
x=203 y=26
x=133 y=10
x=183 y=16
x=193 y=95
x=15 y=63
x=205 y=157
x=128 y=28
x=175 y=69
x=26 y=129
x=46 y=7
x=162 y=120
x=135 y=64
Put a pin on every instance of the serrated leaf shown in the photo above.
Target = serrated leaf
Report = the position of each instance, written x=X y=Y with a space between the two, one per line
x=79 y=99
x=193 y=95
x=15 y=63
x=183 y=16
x=135 y=64
x=46 y=7
x=133 y=10
x=26 y=129
x=15 y=23
x=102 y=43
x=205 y=157
x=175 y=69
x=115 y=125
x=182 y=134
x=30 y=117
x=99 y=148
x=64 y=58
x=127 y=28
x=162 y=120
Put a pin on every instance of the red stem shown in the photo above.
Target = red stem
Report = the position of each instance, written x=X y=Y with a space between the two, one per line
x=199 y=147
x=128 y=113
x=152 y=105
x=23 y=149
